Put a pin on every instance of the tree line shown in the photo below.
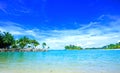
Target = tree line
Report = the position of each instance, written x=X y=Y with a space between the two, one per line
x=7 y=41
x=73 y=47
x=110 y=46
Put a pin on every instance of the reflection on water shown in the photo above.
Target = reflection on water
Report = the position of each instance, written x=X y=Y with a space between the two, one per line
x=84 y=61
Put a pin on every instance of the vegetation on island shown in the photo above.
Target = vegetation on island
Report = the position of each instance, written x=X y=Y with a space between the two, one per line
x=8 y=42
x=110 y=46
x=72 y=47
x=25 y=42
x=93 y=48
x=43 y=45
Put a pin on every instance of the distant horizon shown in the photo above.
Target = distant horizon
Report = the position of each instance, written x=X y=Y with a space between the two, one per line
x=58 y=23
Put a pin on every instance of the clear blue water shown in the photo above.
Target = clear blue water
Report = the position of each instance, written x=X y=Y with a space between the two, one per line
x=61 y=61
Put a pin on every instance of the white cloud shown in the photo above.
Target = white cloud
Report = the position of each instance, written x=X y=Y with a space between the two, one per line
x=12 y=27
x=17 y=29
x=94 y=34
x=81 y=40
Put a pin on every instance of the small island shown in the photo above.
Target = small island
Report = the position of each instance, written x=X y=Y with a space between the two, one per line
x=73 y=47
x=24 y=44
x=110 y=46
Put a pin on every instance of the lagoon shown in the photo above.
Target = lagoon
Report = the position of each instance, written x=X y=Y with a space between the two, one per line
x=61 y=61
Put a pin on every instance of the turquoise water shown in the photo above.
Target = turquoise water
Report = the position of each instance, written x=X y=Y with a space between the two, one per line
x=61 y=61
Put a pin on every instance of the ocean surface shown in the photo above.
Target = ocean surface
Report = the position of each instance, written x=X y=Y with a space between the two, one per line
x=61 y=61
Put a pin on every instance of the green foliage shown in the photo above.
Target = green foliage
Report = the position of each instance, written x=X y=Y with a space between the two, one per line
x=73 y=47
x=43 y=45
x=6 y=40
x=23 y=42
x=1 y=40
x=15 y=44
x=112 y=46
x=93 y=48
x=34 y=43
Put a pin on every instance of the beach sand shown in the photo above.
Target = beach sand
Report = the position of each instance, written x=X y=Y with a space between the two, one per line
x=62 y=70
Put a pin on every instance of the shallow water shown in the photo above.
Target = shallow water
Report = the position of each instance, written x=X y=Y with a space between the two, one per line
x=83 y=61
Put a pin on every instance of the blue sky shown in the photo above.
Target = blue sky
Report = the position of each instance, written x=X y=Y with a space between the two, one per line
x=86 y=23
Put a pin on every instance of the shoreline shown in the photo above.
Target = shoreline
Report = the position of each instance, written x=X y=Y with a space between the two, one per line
x=23 y=50
x=43 y=50
x=113 y=49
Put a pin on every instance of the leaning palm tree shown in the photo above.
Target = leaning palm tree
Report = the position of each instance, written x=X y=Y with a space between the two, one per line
x=23 y=42
x=34 y=43
x=43 y=45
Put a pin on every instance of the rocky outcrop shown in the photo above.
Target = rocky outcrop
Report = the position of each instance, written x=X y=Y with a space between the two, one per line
x=23 y=50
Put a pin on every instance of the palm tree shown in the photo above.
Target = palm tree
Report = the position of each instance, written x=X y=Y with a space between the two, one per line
x=15 y=45
x=43 y=45
x=34 y=43
x=8 y=40
x=23 y=42
x=1 y=39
